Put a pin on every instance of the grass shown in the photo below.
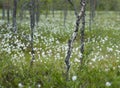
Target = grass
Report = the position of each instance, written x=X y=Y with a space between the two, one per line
x=101 y=67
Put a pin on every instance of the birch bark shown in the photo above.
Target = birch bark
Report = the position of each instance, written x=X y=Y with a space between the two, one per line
x=75 y=33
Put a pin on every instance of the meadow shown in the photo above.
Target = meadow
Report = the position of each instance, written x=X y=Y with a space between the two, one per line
x=101 y=68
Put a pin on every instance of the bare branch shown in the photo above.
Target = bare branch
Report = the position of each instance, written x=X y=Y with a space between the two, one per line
x=72 y=4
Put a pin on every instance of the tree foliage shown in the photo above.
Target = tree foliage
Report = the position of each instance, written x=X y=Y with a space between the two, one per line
x=101 y=4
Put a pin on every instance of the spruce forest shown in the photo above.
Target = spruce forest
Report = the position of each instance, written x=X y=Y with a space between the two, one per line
x=59 y=43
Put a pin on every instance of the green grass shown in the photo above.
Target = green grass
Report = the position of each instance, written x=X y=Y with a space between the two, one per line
x=101 y=68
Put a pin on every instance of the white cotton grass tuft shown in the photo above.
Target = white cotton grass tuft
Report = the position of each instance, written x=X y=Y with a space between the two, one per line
x=38 y=85
x=74 y=78
x=108 y=84
x=20 y=85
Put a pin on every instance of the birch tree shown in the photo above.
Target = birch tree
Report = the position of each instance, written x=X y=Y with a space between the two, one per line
x=80 y=16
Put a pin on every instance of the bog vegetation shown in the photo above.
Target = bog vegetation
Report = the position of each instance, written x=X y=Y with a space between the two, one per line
x=47 y=51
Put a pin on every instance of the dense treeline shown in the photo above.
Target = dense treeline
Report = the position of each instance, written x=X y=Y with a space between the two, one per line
x=61 y=4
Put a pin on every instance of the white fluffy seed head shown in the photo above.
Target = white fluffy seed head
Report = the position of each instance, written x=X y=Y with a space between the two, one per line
x=20 y=85
x=74 y=78
x=108 y=84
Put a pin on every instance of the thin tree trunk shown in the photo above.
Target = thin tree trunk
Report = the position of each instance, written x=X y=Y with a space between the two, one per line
x=53 y=12
x=65 y=16
x=46 y=13
x=14 y=16
x=53 y=9
x=32 y=25
x=23 y=9
x=92 y=12
x=73 y=37
x=21 y=13
x=37 y=11
x=92 y=9
x=3 y=12
x=8 y=16
x=82 y=38
x=74 y=7
x=65 y=12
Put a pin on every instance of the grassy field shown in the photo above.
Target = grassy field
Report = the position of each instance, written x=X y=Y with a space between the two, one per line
x=101 y=67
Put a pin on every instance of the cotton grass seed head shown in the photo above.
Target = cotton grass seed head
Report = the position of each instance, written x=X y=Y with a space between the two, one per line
x=108 y=84
x=74 y=78
x=39 y=85
x=20 y=85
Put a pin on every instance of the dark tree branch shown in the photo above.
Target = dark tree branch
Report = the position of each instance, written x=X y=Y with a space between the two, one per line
x=74 y=7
